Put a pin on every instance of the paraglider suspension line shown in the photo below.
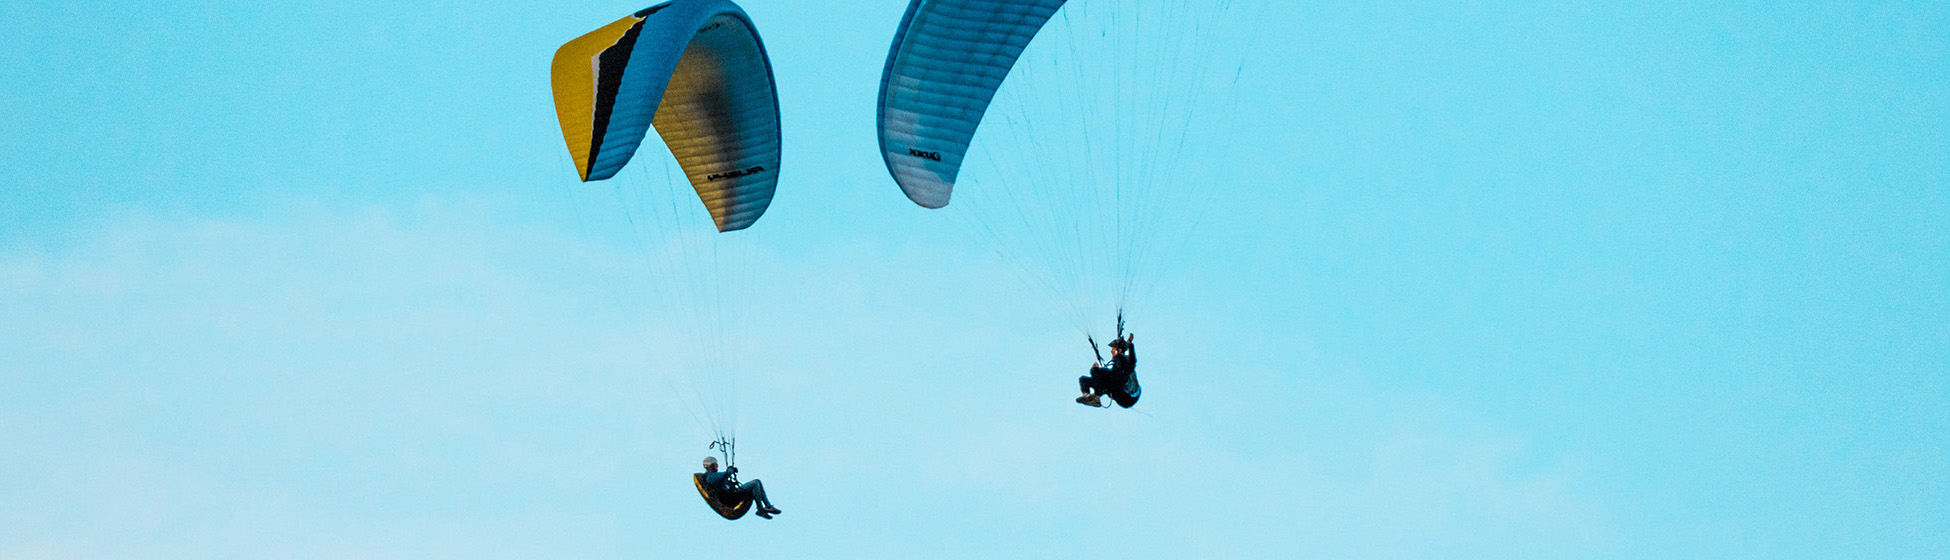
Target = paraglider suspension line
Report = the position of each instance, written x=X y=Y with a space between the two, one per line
x=1094 y=349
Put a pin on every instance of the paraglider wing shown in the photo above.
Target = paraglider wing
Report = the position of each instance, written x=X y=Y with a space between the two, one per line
x=695 y=69
x=948 y=59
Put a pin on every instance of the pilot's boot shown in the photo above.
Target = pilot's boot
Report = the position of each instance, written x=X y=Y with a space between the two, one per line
x=1091 y=399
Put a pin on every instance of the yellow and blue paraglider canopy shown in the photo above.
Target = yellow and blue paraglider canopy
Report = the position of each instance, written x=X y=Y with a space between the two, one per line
x=696 y=70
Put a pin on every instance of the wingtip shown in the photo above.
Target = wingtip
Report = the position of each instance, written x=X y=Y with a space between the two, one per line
x=933 y=198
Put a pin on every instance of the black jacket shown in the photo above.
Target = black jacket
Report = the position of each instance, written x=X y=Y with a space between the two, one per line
x=1126 y=364
x=719 y=482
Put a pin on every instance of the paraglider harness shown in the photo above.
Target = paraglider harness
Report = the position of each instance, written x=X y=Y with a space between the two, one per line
x=1131 y=390
x=728 y=505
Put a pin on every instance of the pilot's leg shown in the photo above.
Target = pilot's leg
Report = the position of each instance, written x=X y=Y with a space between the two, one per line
x=1094 y=381
x=758 y=497
x=1091 y=385
x=758 y=492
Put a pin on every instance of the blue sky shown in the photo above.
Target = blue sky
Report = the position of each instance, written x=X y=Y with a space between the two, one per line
x=1615 y=280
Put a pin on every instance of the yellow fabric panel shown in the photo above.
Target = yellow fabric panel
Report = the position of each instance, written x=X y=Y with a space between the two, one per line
x=707 y=123
x=573 y=77
x=685 y=122
x=729 y=511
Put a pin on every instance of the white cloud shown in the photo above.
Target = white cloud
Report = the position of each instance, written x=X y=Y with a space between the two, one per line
x=445 y=380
